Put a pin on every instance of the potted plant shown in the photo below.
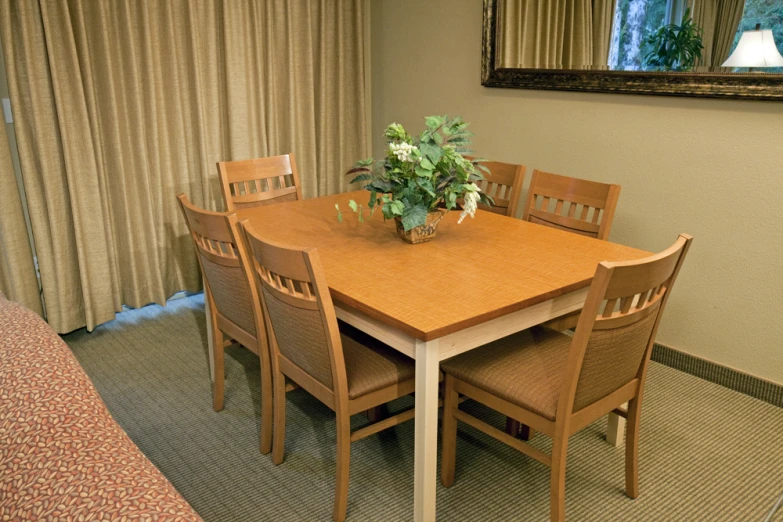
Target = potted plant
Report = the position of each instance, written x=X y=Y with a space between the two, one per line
x=675 y=47
x=420 y=176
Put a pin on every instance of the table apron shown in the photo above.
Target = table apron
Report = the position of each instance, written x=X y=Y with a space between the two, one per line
x=469 y=338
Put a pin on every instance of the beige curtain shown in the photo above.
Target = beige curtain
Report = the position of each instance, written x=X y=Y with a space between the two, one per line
x=122 y=105
x=603 y=17
x=704 y=12
x=18 y=281
x=531 y=33
x=720 y=20
x=552 y=33
x=578 y=34
x=727 y=19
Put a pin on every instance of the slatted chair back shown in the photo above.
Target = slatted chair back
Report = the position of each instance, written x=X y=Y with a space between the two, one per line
x=575 y=205
x=616 y=330
x=504 y=185
x=221 y=259
x=300 y=314
x=261 y=181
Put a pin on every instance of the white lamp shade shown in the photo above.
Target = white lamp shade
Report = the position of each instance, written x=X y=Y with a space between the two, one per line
x=755 y=49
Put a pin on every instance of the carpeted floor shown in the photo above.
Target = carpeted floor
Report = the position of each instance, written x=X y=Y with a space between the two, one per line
x=707 y=453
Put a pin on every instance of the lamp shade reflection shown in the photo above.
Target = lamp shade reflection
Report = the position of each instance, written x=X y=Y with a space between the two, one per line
x=755 y=49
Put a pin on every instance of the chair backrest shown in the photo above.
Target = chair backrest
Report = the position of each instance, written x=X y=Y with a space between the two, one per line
x=617 y=326
x=298 y=308
x=504 y=185
x=223 y=262
x=576 y=205
x=261 y=181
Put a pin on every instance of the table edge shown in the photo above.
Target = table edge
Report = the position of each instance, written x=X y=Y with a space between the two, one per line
x=443 y=331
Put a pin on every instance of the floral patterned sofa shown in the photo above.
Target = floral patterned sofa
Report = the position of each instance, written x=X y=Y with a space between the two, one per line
x=62 y=455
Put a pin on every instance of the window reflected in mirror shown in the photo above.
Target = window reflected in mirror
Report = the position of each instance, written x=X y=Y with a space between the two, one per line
x=641 y=35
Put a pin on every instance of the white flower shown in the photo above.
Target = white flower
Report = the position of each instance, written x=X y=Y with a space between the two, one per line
x=471 y=203
x=402 y=151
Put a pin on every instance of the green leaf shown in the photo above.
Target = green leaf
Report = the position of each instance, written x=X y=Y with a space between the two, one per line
x=361 y=177
x=387 y=210
x=339 y=213
x=397 y=207
x=487 y=200
x=424 y=173
x=433 y=122
x=380 y=185
x=427 y=164
x=353 y=205
x=414 y=216
x=396 y=132
x=432 y=152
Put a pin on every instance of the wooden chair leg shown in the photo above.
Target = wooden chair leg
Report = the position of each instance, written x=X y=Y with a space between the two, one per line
x=218 y=363
x=557 y=480
x=632 y=448
x=267 y=399
x=376 y=414
x=519 y=430
x=449 y=434
x=343 y=466
x=278 y=446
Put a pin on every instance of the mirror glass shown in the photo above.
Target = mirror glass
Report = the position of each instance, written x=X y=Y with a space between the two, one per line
x=641 y=35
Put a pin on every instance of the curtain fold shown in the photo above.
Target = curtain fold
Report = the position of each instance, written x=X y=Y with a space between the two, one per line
x=578 y=34
x=728 y=15
x=569 y=34
x=18 y=281
x=719 y=20
x=122 y=105
x=603 y=18
x=704 y=12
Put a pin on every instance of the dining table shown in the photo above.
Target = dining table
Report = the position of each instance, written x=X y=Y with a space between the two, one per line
x=475 y=282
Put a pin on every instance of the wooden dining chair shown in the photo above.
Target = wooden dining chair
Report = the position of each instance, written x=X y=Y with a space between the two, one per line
x=260 y=181
x=558 y=384
x=233 y=307
x=576 y=205
x=348 y=373
x=503 y=184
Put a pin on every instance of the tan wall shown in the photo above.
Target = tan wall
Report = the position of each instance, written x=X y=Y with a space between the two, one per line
x=712 y=168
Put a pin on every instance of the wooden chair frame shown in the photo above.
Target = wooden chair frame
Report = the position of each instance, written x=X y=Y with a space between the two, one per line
x=504 y=185
x=254 y=180
x=601 y=197
x=640 y=288
x=280 y=270
x=598 y=202
x=216 y=237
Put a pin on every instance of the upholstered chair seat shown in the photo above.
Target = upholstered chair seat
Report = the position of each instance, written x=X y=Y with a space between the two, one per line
x=371 y=365
x=525 y=369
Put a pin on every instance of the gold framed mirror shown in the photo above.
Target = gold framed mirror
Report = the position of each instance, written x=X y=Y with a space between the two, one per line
x=660 y=47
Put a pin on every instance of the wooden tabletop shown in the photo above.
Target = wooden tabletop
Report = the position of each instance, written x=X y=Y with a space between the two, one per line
x=470 y=273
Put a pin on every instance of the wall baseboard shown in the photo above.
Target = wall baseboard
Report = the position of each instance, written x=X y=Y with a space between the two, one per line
x=713 y=372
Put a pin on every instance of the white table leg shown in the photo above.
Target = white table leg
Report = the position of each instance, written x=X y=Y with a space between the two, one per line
x=207 y=305
x=615 y=430
x=426 y=452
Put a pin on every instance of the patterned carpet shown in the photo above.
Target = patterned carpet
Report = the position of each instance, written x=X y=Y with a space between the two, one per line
x=707 y=453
